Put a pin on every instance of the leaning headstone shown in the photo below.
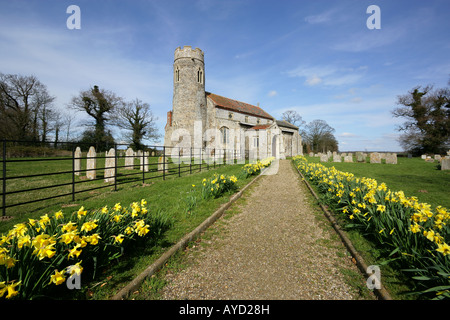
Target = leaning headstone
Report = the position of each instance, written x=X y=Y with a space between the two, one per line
x=337 y=158
x=110 y=163
x=375 y=157
x=77 y=161
x=91 y=164
x=161 y=165
x=129 y=159
x=445 y=164
x=360 y=157
x=323 y=158
x=391 y=158
x=348 y=158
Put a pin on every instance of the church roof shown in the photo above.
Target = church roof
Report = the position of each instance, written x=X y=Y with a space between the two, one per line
x=283 y=123
x=238 y=106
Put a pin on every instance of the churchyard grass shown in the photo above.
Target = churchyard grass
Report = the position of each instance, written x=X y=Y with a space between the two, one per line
x=33 y=167
x=414 y=176
x=165 y=199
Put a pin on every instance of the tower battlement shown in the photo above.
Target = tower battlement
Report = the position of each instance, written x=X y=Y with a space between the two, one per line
x=188 y=52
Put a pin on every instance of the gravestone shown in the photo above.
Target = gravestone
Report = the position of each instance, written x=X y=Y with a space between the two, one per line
x=445 y=163
x=437 y=157
x=348 y=158
x=424 y=156
x=77 y=162
x=360 y=157
x=311 y=154
x=375 y=157
x=429 y=159
x=143 y=157
x=110 y=163
x=323 y=158
x=329 y=154
x=337 y=158
x=161 y=164
x=391 y=158
x=91 y=164
x=129 y=159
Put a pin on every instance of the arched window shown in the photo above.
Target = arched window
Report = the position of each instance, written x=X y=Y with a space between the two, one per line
x=177 y=75
x=225 y=135
x=200 y=76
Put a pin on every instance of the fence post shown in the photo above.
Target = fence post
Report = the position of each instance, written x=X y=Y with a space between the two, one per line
x=115 y=166
x=143 y=166
x=201 y=160
x=164 y=162
x=73 y=172
x=179 y=162
x=4 y=179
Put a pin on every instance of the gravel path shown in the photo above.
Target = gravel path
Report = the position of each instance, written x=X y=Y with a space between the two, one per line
x=273 y=248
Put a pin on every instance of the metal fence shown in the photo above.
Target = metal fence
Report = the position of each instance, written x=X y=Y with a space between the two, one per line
x=26 y=166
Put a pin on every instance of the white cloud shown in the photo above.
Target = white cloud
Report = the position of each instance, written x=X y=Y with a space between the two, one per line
x=328 y=75
x=320 y=18
x=314 y=80
x=272 y=93
x=347 y=135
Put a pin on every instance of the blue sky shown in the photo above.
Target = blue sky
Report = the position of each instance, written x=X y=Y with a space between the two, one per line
x=315 y=57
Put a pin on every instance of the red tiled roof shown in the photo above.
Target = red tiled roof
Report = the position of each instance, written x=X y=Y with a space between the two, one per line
x=238 y=106
x=261 y=126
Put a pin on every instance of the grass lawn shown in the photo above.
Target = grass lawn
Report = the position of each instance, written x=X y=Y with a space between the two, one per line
x=414 y=177
x=169 y=198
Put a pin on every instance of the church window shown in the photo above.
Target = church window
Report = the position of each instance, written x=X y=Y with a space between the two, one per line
x=256 y=142
x=258 y=121
x=230 y=115
x=200 y=76
x=225 y=135
x=177 y=75
x=246 y=119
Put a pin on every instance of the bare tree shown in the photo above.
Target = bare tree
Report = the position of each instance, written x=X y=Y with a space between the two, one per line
x=319 y=136
x=139 y=122
x=293 y=117
x=22 y=98
x=100 y=104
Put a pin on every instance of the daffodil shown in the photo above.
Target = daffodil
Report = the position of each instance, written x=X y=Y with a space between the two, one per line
x=89 y=226
x=59 y=215
x=68 y=227
x=75 y=269
x=81 y=212
x=10 y=288
x=57 y=278
x=443 y=248
x=118 y=238
x=117 y=207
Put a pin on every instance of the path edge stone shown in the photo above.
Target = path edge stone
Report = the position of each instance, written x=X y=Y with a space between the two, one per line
x=180 y=245
x=381 y=293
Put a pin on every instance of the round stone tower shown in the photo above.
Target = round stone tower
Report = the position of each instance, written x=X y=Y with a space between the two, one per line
x=189 y=99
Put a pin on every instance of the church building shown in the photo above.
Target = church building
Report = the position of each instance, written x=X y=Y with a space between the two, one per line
x=201 y=119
